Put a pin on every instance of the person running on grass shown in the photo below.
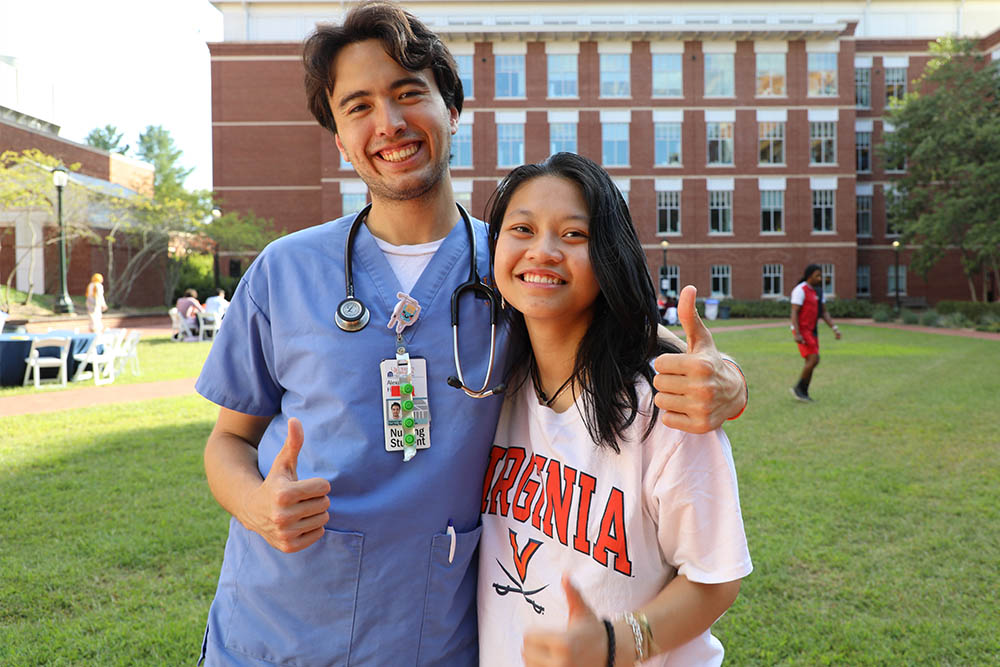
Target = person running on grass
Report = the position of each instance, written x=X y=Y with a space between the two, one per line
x=807 y=308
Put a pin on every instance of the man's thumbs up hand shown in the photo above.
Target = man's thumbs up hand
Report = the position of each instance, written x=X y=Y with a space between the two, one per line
x=288 y=513
x=697 y=390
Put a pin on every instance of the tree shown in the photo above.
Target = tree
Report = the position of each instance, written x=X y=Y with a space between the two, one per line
x=28 y=195
x=107 y=138
x=948 y=133
x=156 y=147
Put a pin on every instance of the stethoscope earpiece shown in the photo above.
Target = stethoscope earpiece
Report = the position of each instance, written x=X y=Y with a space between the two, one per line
x=351 y=315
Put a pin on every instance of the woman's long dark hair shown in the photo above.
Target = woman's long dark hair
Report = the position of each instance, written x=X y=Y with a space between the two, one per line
x=622 y=338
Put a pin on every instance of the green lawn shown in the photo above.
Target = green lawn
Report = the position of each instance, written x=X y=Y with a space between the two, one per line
x=872 y=514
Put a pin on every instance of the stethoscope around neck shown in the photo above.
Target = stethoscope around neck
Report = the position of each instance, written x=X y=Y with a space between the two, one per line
x=353 y=315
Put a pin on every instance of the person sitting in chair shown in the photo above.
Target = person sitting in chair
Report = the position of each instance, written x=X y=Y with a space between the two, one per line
x=188 y=307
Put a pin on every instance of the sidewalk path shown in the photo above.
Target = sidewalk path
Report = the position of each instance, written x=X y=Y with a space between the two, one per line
x=70 y=399
x=42 y=401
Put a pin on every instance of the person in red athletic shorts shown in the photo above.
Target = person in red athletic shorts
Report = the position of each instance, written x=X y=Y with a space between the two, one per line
x=807 y=308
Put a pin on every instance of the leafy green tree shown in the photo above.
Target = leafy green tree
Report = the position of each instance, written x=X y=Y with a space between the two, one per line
x=156 y=147
x=948 y=133
x=107 y=138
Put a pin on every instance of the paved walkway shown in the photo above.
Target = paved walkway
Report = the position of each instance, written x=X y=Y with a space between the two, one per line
x=42 y=401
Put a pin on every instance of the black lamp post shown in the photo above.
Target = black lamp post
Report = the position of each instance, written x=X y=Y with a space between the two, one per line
x=895 y=247
x=664 y=281
x=64 y=304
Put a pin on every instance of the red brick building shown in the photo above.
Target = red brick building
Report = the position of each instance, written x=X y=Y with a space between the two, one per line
x=732 y=131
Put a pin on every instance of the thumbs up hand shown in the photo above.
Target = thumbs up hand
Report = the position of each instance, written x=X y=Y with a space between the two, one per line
x=584 y=643
x=289 y=513
x=697 y=390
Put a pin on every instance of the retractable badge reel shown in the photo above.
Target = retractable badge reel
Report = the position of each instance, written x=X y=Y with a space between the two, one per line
x=404 y=386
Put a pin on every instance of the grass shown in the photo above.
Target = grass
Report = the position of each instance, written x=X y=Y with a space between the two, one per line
x=871 y=514
x=159 y=357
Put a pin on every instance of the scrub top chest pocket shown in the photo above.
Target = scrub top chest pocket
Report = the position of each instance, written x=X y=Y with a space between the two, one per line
x=405 y=410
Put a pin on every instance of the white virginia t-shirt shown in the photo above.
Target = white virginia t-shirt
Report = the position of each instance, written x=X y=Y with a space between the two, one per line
x=408 y=261
x=621 y=525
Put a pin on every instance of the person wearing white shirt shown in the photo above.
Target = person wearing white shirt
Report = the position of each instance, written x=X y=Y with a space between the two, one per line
x=217 y=305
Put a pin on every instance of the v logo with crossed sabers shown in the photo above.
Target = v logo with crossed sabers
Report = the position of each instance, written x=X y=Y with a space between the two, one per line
x=521 y=560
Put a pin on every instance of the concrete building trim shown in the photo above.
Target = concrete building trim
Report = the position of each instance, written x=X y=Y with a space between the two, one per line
x=666 y=46
x=562 y=48
x=724 y=245
x=255 y=188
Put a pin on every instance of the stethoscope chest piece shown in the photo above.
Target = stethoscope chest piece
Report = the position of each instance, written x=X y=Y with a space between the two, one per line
x=351 y=315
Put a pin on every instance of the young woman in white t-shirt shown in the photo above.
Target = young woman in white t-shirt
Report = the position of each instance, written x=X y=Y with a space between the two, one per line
x=608 y=538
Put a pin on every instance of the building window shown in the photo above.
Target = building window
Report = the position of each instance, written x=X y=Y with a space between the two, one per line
x=863 y=149
x=863 y=88
x=864 y=282
x=822 y=74
x=668 y=212
x=891 y=196
x=772 y=275
x=719 y=75
x=822 y=142
x=465 y=71
x=721 y=280
x=892 y=163
x=772 y=211
x=615 y=75
x=667 y=144
x=562 y=138
x=670 y=278
x=770 y=74
x=562 y=75
x=720 y=143
x=461 y=147
x=771 y=142
x=614 y=144
x=895 y=84
x=900 y=277
x=509 y=76
x=720 y=212
x=352 y=202
x=667 y=77
x=864 y=209
x=465 y=199
x=344 y=164
x=828 y=281
x=823 y=210
x=510 y=144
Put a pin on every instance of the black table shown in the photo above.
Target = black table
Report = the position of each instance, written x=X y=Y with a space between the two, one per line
x=14 y=349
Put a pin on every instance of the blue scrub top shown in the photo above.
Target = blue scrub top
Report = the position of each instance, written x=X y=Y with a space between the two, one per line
x=377 y=588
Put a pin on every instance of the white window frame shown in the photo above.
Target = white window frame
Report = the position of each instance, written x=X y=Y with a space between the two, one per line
x=829 y=280
x=665 y=136
x=662 y=70
x=863 y=87
x=772 y=275
x=772 y=202
x=462 y=139
x=722 y=280
x=615 y=144
x=720 y=76
x=767 y=68
x=771 y=136
x=863 y=282
x=720 y=212
x=863 y=206
x=821 y=76
x=567 y=85
x=466 y=63
x=668 y=212
x=824 y=201
x=510 y=135
x=559 y=138
x=352 y=202
x=509 y=69
x=893 y=276
x=720 y=132
x=895 y=83
x=672 y=274
x=863 y=146
x=823 y=134
x=615 y=75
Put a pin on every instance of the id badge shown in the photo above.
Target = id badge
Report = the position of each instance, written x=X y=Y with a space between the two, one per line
x=405 y=413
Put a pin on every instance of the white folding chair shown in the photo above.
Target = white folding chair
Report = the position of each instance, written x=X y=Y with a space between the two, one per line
x=128 y=354
x=179 y=329
x=208 y=323
x=35 y=362
x=100 y=361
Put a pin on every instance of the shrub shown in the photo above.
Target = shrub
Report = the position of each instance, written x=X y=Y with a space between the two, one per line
x=883 y=313
x=910 y=317
x=971 y=310
x=929 y=318
x=850 y=308
x=955 y=321
x=196 y=273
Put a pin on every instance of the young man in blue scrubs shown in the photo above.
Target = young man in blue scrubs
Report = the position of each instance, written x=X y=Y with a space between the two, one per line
x=346 y=547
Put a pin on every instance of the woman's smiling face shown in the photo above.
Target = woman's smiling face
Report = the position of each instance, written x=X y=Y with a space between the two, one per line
x=542 y=258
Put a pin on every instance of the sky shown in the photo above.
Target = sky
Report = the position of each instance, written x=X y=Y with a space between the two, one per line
x=129 y=63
